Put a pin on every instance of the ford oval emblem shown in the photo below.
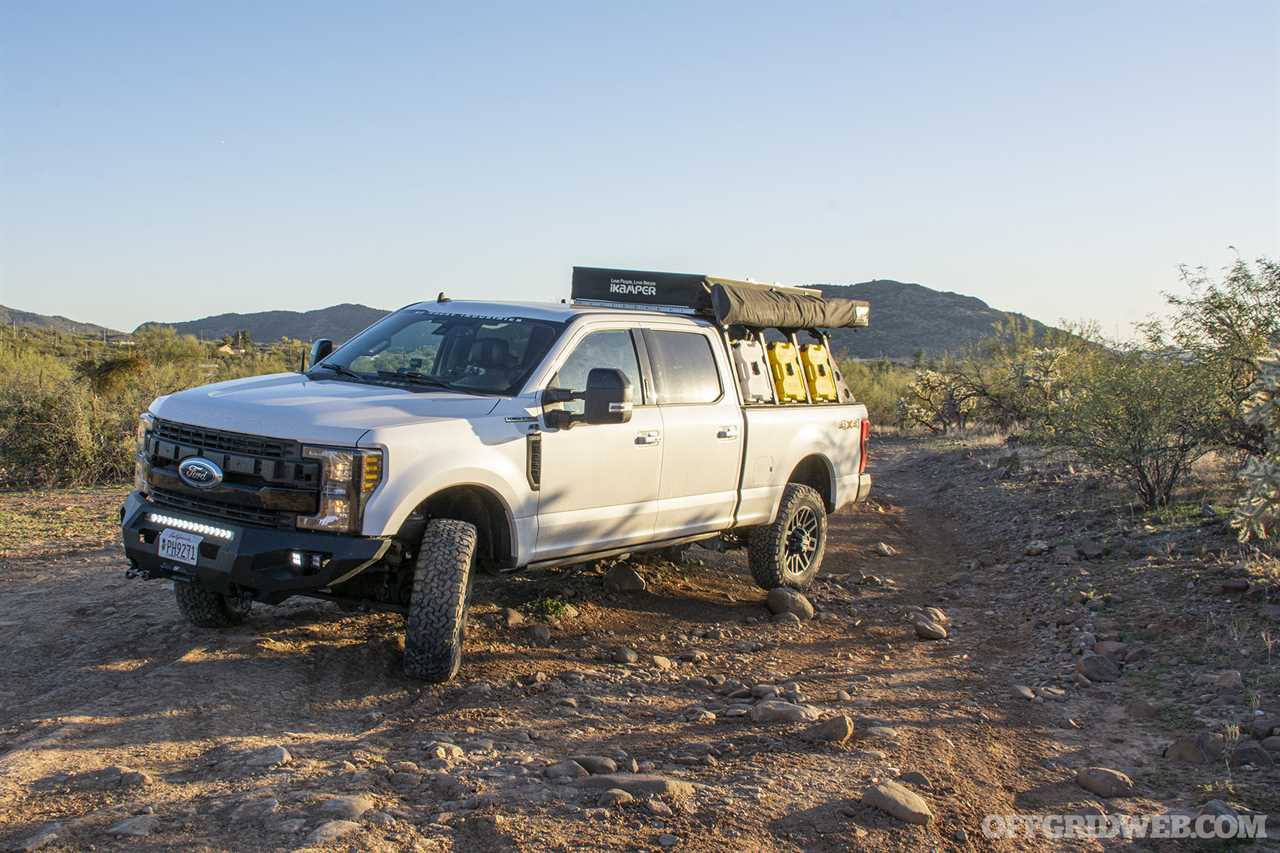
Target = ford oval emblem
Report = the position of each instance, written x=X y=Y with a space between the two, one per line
x=199 y=472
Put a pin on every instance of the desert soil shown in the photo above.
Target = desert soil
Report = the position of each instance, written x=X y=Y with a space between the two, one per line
x=121 y=727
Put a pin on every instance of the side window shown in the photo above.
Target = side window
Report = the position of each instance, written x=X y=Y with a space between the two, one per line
x=684 y=367
x=599 y=349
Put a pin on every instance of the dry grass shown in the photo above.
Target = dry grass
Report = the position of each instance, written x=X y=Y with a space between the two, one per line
x=41 y=522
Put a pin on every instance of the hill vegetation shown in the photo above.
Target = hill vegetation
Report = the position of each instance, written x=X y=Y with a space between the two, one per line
x=907 y=320
x=910 y=319
x=12 y=318
x=337 y=322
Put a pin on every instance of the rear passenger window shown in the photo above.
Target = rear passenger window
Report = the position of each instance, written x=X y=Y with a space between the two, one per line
x=684 y=368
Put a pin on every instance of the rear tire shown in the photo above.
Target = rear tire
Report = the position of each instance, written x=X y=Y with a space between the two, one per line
x=208 y=609
x=437 y=623
x=789 y=551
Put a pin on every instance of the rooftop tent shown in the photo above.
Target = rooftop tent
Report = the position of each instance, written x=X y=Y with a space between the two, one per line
x=731 y=303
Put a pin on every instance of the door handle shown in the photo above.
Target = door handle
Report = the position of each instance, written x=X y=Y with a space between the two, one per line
x=728 y=433
x=649 y=438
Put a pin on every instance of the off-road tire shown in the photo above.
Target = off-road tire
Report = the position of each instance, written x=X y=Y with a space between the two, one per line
x=437 y=623
x=209 y=609
x=767 y=546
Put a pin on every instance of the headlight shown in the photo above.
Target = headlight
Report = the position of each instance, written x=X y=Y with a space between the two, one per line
x=347 y=479
x=146 y=422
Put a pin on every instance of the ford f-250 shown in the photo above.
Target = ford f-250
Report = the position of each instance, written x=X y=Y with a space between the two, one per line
x=652 y=411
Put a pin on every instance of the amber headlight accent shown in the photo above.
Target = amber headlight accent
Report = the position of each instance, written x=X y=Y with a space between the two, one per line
x=146 y=422
x=347 y=478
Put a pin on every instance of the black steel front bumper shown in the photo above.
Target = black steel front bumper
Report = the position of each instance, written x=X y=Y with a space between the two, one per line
x=254 y=560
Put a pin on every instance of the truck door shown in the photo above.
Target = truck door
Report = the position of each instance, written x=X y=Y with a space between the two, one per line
x=600 y=481
x=701 y=429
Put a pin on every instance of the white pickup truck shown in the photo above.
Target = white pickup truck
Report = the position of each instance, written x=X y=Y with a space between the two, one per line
x=452 y=434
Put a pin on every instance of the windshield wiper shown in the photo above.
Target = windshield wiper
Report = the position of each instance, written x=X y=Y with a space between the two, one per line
x=415 y=378
x=344 y=371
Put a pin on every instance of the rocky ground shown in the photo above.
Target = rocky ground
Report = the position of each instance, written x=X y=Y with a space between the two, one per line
x=996 y=633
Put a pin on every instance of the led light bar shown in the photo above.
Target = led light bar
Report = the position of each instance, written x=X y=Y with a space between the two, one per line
x=191 y=526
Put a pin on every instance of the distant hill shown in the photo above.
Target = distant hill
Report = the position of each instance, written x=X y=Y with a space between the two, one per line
x=28 y=319
x=905 y=319
x=337 y=323
x=911 y=318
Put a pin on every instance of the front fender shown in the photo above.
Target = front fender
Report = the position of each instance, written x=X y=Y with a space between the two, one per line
x=425 y=459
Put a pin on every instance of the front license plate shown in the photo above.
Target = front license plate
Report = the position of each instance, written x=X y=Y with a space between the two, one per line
x=179 y=546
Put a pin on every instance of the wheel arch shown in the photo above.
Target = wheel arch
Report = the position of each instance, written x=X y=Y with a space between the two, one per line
x=475 y=504
x=816 y=472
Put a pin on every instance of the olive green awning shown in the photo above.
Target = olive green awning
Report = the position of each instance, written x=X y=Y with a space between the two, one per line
x=763 y=306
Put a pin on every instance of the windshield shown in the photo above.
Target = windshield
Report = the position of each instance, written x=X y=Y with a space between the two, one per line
x=481 y=355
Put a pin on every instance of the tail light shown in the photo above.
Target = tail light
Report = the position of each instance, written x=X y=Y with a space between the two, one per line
x=863 y=440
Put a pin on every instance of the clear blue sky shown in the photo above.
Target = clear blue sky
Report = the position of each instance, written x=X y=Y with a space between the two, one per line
x=164 y=161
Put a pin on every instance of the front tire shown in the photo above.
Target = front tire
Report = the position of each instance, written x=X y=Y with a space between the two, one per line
x=789 y=551
x=437 y=621
x=208 y=609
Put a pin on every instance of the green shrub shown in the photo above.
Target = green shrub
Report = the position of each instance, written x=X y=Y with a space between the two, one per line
x=64 y=426
x=1230 y=327
x=1143 y=417
x=878 y=385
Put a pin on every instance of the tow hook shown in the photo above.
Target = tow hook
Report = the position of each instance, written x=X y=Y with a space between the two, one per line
x=133 y=571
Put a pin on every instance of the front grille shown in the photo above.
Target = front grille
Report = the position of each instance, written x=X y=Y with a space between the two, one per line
x=266 y=481
x=227 y=442
x=206 y=506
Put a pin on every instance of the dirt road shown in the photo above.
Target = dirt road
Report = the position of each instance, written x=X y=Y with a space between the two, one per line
x=123 y=728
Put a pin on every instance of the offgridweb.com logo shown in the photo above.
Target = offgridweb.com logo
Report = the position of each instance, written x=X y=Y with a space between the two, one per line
x=1164 y=826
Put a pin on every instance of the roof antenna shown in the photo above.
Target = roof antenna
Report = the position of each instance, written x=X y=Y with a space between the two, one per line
x=442 y=298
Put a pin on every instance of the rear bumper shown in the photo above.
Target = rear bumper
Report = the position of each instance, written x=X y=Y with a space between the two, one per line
x=864 y=487
x=252 y=560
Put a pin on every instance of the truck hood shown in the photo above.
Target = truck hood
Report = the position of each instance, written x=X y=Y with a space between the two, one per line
x=322 y=411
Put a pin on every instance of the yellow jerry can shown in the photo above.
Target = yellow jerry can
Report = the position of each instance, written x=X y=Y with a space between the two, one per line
x=788 y=374
x=818 y=373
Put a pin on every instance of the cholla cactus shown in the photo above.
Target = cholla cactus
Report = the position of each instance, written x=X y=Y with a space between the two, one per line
x=938 y=401
x=1258 y=511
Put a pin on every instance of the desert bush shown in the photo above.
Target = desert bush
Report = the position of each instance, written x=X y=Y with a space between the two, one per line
x=61 y=425
x=1141 y=416
x=1258 y=511
x=878 y=385
x=1230 y=327
x=938 y=400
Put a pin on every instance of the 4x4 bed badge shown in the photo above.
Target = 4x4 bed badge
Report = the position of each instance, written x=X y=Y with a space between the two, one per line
x=199 y=472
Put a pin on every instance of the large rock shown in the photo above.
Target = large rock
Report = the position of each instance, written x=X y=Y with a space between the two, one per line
x=596 y=764
x=927 y=629
x=252 y=811
x=1098 y=668
x=135 y=827
x=1227 y=679
x=1200 y=749
x=347 y=808
x=1264 y=727
x=838 y=729
x=1104 y=782
x=332 y=830
x=42 y=837
x=566 y=770
x=638 y=784
x=899 y=801
x=786 y=600
x=268 y=756
x=781 y=711
x=622 y=578
x=1251 y=752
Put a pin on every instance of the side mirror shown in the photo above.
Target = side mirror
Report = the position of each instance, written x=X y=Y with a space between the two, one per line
x=320 y=350
x=608 y=396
